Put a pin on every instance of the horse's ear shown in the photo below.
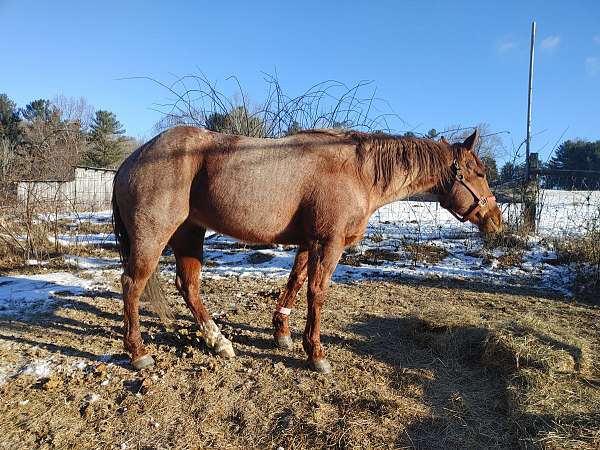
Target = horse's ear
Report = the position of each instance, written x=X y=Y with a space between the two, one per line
x=443 y=139
x=470 y=142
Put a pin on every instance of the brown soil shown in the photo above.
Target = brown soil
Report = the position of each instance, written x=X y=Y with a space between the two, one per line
x=416 y=365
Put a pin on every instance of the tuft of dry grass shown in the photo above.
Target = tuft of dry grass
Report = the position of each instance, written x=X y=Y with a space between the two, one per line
x=371 y=256
x=583 y=253
x=507 y=239
x=425 y=252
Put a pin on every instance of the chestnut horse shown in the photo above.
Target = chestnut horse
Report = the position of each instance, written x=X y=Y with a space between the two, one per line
x=315 y=189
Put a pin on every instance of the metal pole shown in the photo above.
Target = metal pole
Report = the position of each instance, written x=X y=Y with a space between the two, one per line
x=530 y=191
x=530 y=92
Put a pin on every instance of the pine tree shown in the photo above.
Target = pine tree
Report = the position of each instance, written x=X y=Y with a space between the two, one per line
x=39 y=110
x=576 y=155
x=106 y=146
x=237 y=121
x=9 y=120
x=491 y=168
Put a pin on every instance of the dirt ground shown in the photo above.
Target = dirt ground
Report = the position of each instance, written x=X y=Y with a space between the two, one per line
x=421 y=365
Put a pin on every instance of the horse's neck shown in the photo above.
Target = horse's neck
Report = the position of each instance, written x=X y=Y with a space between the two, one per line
x=404 y=186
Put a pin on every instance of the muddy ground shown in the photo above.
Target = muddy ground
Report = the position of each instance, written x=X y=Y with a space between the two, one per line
x=423 y=365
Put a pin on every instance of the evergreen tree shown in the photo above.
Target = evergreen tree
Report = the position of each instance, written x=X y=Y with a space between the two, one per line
x=576 y=155
x=106 y=146
x=431 y=134
x=237 y=121
x=9 y=120
x=512 y=172
x=217 y=122
x=40 y=110
x=294 y=128
x=491 y=169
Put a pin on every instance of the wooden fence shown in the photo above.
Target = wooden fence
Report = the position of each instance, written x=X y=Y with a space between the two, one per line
x=91 y=188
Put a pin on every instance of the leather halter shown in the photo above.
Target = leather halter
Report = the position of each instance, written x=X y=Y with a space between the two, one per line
x=480 y=200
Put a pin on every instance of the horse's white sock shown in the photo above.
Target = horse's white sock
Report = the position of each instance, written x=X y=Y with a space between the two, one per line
x=214 y=339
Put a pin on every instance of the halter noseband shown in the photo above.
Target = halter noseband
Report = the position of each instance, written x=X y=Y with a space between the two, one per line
x=480 y=200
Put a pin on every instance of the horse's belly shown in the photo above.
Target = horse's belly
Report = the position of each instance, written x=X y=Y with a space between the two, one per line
x=263 y=226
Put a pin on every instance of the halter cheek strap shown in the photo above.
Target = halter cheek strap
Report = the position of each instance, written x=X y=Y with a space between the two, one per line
x=282 y=310
x=480 y=200
x=483 y=201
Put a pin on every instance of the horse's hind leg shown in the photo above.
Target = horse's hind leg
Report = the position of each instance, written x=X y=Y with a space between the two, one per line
x=287 y=299
x=187 y=244
x=140 y=267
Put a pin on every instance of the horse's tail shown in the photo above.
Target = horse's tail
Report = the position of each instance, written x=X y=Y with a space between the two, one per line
x=153 y=293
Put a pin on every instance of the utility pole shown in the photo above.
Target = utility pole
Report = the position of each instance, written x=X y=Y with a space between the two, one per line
x=531 y=183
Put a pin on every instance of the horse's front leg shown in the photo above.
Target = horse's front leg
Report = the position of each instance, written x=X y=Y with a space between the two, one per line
x=287 y=300
x=323 y=257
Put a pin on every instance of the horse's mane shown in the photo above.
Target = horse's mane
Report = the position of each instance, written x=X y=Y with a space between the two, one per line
x=388 y=152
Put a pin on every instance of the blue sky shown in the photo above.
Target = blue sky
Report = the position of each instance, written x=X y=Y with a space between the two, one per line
x=436 y=63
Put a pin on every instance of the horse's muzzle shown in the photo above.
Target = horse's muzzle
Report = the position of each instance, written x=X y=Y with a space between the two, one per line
x=491 y=222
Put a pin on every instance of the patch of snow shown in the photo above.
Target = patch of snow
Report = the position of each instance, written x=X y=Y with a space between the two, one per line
x=95 y=217
x=84 y=239
x=33 y=294
x=390 y=228
x=5 y=372
x=35 y=262
x=39 y=368
x=80 y=364
x=82 y=262
x=91 y=398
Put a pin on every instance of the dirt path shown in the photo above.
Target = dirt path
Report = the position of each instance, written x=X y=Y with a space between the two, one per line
x=425 y=365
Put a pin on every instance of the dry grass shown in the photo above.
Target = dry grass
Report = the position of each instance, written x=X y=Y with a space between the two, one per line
x=430 y=365
x=508 y=239
x=371 y=256
x=424 y=252
x=583 y=253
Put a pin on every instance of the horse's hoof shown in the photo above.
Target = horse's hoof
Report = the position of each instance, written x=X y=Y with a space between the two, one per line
x=142 y=362
x=320 y=365
x=284 y=341
x=226 y=352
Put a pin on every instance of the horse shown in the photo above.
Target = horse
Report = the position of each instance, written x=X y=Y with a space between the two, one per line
x=314 y=189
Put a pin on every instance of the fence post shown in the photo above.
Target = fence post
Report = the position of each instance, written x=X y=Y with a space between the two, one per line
x=530 y=194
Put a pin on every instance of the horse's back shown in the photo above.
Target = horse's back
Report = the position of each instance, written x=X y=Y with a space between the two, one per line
x=257 y=190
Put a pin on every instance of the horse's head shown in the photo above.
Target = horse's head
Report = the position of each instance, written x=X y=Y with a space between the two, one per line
x=467 y=194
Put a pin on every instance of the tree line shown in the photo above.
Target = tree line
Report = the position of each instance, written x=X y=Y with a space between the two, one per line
x=576 y=162
x=44 y=139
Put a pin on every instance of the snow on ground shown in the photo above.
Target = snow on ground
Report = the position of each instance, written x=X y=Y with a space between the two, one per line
x=82 y=262
x=390 y=229
x=84 y=239
x=38 y=368
x=34 y=294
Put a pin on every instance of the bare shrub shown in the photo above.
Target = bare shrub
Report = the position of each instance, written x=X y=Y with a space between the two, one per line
x=330 y=104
